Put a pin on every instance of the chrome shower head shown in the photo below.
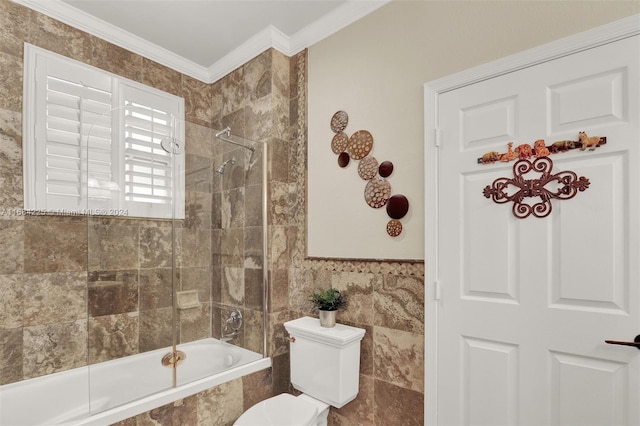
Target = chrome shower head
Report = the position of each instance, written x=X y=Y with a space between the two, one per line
x=220 y=168
x=226 y=132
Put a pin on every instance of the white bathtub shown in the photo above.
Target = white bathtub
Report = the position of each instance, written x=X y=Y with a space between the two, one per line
x=115 y=390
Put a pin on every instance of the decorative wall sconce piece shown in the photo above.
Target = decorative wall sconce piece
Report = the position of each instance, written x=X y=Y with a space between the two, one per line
x=360 y=144
x=368 y=167
x=339 y=143
x=343 y=159
x=339 y=121
x=397 y=206
x=568 y=185
x=377 y=191
x=394 y=228
x=386 y=168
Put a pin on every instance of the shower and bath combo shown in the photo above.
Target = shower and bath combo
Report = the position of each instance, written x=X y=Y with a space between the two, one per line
x=225 y=135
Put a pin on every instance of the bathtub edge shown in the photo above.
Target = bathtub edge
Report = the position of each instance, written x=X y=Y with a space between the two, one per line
x=168 y=396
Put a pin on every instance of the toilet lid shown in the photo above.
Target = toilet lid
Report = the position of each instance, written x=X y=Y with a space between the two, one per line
x=281 y=410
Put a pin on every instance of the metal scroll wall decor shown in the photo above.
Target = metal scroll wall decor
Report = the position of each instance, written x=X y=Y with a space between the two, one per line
x=561 y=185
x=377 y=191
x=569 y=185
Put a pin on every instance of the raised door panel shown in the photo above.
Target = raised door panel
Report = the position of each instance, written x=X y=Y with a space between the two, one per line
x=491 y=382
x=606 y=382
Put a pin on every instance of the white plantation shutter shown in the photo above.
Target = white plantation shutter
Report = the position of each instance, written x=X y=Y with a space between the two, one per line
x=70 y=99
x=93 y=142
x=151 y=174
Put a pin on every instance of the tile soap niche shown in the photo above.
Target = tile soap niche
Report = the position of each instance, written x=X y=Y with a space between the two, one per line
x=187 y=299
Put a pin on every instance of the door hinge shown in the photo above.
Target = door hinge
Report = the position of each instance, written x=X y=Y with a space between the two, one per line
x=437 y=136
x=437 y=290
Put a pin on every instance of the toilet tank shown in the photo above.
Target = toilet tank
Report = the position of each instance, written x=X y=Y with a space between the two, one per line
x=325 y=362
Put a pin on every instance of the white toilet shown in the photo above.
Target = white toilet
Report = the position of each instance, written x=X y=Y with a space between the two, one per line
x=325 y=366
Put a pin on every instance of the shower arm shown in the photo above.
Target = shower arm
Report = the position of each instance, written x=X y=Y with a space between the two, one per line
x=227 y=138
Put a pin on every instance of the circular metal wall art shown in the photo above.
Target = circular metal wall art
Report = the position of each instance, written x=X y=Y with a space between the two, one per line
x=394 y=227
x=368 y=167
x=339 y=121
x=339 y=143
x=386 y=168
x=377 y=192
x=343 y=159
x=360 y=144
x=397 y=206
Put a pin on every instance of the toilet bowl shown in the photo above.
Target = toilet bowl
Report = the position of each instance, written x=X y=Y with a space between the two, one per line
x=325 y=366
x=286 y=410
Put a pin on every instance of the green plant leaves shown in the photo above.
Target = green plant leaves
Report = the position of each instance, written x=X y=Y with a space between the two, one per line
x=328 y=299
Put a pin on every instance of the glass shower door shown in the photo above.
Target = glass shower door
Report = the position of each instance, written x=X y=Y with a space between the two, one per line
x=132 y=243
x=220 y=300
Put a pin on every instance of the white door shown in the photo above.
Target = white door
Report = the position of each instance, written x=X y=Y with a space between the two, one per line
x=526 y=304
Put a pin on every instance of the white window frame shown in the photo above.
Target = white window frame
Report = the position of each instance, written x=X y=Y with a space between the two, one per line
x=106 y=188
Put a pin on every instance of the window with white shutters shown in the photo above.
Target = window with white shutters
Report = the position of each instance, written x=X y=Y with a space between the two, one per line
x=93 y=142
x=149 y=170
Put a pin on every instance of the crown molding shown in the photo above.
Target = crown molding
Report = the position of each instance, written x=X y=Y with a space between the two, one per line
x=339 y=18
x=69 y=15
x=270 y=37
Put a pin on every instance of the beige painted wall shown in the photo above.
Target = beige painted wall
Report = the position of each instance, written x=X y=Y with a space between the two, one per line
x=375 y=70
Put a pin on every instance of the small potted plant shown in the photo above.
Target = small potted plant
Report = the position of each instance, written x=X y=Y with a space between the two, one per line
x=328 y=301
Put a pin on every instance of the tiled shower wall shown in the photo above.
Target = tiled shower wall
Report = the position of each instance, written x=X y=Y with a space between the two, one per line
x=54 y=315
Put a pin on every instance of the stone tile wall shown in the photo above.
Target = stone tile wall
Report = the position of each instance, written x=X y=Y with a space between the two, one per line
x=78 y=290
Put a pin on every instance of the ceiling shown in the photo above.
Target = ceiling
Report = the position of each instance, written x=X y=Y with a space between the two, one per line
x=207 y=38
